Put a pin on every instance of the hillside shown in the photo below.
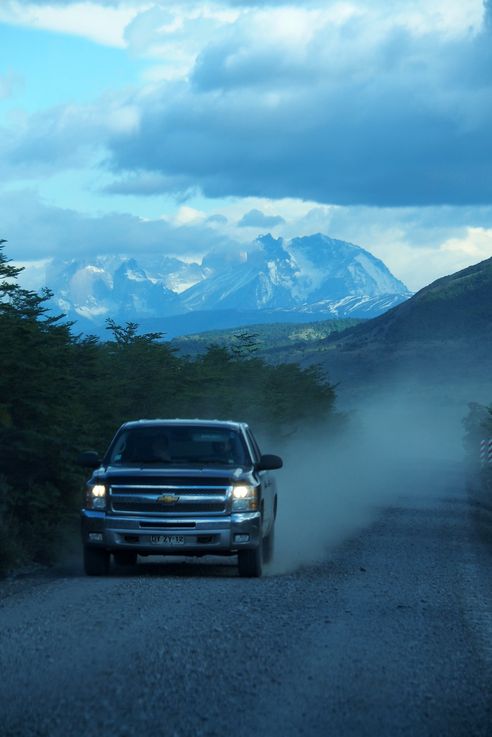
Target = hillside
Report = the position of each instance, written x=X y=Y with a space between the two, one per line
x=454 y=306
x=288 y=340
x=442 y=336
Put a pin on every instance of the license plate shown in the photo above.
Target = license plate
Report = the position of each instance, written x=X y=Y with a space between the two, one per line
x=167 y=539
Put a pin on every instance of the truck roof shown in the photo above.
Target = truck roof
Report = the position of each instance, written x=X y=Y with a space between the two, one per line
x=182 y=422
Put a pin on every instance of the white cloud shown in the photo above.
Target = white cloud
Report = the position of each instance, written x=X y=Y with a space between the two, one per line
x=419 y=264
x=91 y=20
x=37 y=230
x=477 y=246
x=186 y=215
x=347 y=103
x=123 y=119
x=33 y=275
x=171 y=36
x=453 y=17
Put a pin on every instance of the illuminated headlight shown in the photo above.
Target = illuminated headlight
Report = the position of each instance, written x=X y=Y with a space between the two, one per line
x=96 y=496
x=244 y=498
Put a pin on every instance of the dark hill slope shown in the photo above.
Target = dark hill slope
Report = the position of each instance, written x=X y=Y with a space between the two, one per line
x=440 y=336
x=455 y=306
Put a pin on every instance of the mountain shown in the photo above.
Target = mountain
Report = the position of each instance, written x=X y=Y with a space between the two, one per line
x=313 y=273
x=118 y=287
x=440 y=337
x=307 y=278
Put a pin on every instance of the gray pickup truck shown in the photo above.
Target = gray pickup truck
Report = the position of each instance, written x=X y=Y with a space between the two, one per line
x=180 y=487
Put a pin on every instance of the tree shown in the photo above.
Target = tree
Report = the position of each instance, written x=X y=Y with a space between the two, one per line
x=245 y=344
x=142 y=374
x=37 y=422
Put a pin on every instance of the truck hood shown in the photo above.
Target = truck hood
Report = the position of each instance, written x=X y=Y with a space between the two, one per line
x=172 y=474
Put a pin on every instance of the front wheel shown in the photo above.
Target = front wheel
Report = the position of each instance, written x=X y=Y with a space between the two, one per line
x=251 y=562
x=269 y=545
x=96 y=562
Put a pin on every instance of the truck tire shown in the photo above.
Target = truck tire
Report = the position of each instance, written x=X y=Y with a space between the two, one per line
x=96 y=562
x=251 y=562
x=125 y=558
x=269 y=545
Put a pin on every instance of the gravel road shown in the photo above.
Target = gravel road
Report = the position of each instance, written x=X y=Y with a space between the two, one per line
x=390 y=635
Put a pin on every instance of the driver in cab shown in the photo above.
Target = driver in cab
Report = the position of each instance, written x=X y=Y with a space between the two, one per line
x=160 y=448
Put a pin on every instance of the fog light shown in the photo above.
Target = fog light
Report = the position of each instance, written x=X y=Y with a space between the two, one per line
x=241 y=538
x=95 y=537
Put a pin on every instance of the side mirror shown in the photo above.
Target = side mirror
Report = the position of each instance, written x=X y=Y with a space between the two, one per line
x=89 y=459
x=269 y=463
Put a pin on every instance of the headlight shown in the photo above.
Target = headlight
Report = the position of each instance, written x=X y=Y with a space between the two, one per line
x=244 y=498
x=96 y=496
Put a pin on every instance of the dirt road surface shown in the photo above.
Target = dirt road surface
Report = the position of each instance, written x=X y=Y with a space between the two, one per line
x=390 y=635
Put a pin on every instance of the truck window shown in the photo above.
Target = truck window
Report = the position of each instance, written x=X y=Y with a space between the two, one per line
x=179 y=445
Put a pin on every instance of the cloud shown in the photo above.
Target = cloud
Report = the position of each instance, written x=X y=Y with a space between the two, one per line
x=218 y=219
x=145 y=4
x=356 y=110
x=151 y=183
x=36 y=230
x=101 y=22
x=340 y=103
x=446 y=239
x=488 y=12
x=187 y=215
x=417 y=244
x=258 y=219
x=64 y=137
x=418 y=227
x=424 y=265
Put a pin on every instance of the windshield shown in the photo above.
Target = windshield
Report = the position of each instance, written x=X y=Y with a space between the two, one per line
x=179 y=445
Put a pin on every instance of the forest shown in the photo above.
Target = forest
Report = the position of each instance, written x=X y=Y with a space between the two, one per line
x=63 y=392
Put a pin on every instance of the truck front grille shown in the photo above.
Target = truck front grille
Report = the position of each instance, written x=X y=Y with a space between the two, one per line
x=164 y=501
x=175 y=509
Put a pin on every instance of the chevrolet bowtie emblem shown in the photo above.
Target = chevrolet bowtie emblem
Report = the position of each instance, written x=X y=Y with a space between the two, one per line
x=168 y=499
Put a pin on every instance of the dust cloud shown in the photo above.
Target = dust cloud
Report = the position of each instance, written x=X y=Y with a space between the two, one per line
x=332 y=486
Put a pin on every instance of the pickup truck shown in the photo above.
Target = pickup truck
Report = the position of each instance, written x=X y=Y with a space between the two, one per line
x=179 y=487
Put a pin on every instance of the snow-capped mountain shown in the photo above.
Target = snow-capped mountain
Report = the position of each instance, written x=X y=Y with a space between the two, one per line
x=315 y=275
x=298 y=274
x=109 y=286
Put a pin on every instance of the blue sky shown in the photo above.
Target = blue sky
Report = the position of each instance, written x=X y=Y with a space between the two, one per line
x=180 y=126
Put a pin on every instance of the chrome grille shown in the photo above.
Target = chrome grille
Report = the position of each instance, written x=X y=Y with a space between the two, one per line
x=153 y=508
x=139 y=500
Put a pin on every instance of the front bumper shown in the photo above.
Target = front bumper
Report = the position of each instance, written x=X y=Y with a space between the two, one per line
x=202 y=535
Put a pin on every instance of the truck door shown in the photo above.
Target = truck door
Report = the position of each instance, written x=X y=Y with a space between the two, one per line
x=267 y=484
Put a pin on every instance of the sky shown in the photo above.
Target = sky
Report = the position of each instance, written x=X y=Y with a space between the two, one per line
x=180 y=127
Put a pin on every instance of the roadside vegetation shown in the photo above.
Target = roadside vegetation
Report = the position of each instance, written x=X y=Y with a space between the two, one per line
x=273 y=341
x=61 y=393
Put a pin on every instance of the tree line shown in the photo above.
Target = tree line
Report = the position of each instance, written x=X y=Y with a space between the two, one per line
x=62 y=392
